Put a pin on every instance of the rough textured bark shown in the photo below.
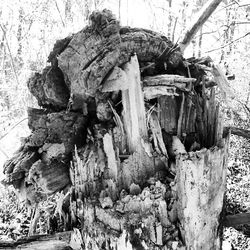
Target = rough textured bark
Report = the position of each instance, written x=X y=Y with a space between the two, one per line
x=133 y=128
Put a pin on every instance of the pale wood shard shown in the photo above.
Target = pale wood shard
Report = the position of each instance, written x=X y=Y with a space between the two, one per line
x=176 y=80
x=157 y=134
x=134 y=116
x=180 y=118
x=151 y=92
x=201 y=184
x=110 y=154
x=116 y=81
x=221 y=80
x=160 y=85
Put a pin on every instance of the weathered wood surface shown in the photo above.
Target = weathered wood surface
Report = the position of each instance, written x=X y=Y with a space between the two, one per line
x=201 y=184
x=49 y=88
x=85 y=67
x=43 y=160
x=118 y=154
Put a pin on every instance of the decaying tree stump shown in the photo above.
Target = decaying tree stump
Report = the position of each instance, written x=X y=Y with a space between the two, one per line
x=132 y=134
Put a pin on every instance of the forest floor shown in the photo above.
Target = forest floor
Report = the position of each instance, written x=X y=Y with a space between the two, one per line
x=238 y=191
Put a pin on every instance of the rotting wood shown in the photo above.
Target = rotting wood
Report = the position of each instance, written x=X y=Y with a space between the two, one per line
x=157 y=134
x=201 y=184
x=134 y=116
x=120 y=174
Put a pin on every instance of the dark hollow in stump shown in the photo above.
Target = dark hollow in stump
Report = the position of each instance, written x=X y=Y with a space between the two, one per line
x=132 y=134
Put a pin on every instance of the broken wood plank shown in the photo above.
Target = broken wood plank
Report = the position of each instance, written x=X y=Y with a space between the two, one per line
x=134 y=116
x=151 y=92
x=157 y=134
x=168 y=113
x=176 y=80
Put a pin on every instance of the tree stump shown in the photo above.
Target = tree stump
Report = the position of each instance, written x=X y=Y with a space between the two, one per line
x=130 y=132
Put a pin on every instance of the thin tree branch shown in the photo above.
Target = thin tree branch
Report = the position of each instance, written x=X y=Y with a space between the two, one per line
x=11 y=58
x=239 y=38
x=13 y=128
x=59 y=13
x=206 y=12
x=4 y=153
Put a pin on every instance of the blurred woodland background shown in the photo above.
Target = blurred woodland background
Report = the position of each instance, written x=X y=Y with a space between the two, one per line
x=29 y=29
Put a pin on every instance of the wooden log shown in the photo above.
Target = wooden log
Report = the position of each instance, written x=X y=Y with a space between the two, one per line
x=237 y=131
x=221 y=80
x=236 y=220
x=201 y=184
x=58 y=241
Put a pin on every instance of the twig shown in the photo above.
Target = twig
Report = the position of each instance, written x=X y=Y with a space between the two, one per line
x=13 y=128
x=179 y=124
x=208 y=51
x=11 y=58
x=4 y=153
x=59 y=13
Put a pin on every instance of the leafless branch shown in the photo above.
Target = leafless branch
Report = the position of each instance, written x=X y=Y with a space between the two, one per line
x=239 y=38
x=59 y=13
x=13 y=127
x=11 y=58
